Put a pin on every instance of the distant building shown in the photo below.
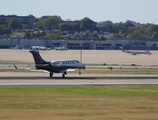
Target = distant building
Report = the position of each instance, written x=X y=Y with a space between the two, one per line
x=72 y=23
x=108 y=44
x=132 y=28
x=26 y=22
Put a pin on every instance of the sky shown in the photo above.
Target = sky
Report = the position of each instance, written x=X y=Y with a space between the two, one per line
x=143 y=11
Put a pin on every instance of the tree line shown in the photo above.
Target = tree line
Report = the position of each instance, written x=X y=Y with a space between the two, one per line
x=53 y=27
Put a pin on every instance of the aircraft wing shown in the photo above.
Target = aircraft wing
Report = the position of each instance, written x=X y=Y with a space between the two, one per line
x=134 y=53
x=21 y=68
x=29 y=69
x=66 y=70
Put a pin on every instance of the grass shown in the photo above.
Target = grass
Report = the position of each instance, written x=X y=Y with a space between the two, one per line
x=79 y=102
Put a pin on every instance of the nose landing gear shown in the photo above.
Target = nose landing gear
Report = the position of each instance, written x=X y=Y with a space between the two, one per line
x=79 y=72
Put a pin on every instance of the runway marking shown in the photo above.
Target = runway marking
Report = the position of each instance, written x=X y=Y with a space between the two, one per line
x=79 y=77
x=75 y=80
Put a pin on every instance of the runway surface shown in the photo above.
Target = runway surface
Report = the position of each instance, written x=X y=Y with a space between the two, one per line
x=88 y=56
x=42 y=79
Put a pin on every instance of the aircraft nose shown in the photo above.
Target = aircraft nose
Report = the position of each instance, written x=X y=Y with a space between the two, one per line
x=84 y=67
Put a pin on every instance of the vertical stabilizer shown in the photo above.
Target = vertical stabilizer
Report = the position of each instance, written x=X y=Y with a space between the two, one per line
x=37 y=57
x=122 y=49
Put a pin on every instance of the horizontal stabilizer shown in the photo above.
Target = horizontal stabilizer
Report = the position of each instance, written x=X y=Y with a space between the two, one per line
x=29 y=69
x=21 y=68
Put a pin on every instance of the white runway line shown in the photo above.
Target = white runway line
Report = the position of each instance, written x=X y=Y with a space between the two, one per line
x=36 y=79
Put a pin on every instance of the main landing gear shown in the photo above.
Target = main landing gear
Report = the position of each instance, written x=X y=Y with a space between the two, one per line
x=51 y=74
x=63 y=75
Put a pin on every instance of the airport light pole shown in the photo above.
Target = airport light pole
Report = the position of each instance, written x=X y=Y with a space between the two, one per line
x=81 y=56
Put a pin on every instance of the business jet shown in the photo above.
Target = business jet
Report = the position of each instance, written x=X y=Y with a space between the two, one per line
x=40 y=48
x=134 y=52
x=60 y=66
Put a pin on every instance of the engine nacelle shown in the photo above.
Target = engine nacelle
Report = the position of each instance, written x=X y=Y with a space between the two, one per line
x=55 y=63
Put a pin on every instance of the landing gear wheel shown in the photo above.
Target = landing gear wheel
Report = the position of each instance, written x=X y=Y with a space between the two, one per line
x=63 y=75
x=51 y=75
x=79 y=72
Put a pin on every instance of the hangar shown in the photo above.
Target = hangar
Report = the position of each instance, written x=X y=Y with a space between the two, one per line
x=82 y=44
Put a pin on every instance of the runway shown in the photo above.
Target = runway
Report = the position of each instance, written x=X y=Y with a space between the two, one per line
x=42 y=79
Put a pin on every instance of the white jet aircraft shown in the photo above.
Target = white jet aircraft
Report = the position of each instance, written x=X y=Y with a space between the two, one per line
x=61 y=66
x=134 y=52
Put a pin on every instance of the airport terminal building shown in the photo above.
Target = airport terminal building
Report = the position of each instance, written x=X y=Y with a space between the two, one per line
x=82 y=44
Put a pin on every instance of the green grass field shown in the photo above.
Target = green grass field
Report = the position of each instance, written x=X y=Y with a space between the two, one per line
x=79 y=103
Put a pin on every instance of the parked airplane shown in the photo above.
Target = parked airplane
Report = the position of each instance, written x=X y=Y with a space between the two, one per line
x=134 y=52
x=61 y=66
x=60 y=48
x=40 y=48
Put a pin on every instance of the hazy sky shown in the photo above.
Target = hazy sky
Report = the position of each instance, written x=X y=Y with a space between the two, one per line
x=143 y=11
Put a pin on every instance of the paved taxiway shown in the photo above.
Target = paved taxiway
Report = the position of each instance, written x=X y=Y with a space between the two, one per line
x=88 y=56
x=42 y=79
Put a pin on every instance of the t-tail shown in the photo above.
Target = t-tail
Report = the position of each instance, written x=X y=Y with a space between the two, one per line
x=37 y=57
x=147 y=52
x=122 y=49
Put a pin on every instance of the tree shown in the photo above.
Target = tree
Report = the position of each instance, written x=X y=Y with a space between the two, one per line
x=12 y=24
x=153 y=28
x=54 y=36
x=135 y=35
x=27 y=35
x=87 y=24
x=106 y=26
x=63 y=27
x=128 y=23
x=2 y=22
x=155 y=35
x=48 y=23
x=52 y=22
x=4 y=30
x=145 y=30
x=102 y=38
x=39 y=23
